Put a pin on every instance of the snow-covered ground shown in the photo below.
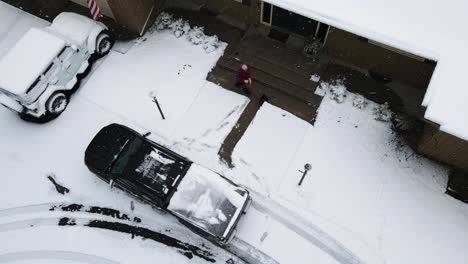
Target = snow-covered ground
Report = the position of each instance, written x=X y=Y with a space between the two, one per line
x=198 y=116
x=377 y=198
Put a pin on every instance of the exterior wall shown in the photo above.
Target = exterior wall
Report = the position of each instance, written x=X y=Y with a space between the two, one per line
x=134 y=15
x=444 y=147
x=357 y=51
x=341 y=45
x=103 y=5
x=234 y=9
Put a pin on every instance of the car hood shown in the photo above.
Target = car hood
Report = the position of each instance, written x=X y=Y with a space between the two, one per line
x=106 y=146
x=75 y=27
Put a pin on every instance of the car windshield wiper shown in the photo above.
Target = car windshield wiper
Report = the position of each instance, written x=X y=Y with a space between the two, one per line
x=114 y=159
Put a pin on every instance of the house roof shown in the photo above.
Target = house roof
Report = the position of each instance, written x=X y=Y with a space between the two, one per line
x=433 y=30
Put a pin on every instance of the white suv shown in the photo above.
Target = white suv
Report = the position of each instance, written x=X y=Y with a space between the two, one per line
x=39 y=74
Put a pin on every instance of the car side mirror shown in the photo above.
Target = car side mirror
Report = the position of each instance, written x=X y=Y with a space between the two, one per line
x=145 y=135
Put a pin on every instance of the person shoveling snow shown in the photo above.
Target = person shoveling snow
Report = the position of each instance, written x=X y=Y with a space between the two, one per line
x=244 y=79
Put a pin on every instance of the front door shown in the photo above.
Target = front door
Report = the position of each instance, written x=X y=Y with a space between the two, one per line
x=292 y=22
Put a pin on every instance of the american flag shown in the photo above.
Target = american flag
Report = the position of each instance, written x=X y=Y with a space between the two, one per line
x=94 y=9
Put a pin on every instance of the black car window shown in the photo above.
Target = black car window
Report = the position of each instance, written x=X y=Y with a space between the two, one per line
x=121 y=163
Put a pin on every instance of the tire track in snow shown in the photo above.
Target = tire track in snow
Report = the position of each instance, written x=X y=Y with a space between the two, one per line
x=305 y=229
x=83 y=210
x=36 y=215
x=183 y=248
x=55 y=255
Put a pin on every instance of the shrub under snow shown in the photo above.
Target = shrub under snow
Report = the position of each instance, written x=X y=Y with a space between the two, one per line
x=336 y=91
x=196 y=36
x=181 y=27
x=383 y=113
x=359 y=101
x=164 y=21
x=211 y=43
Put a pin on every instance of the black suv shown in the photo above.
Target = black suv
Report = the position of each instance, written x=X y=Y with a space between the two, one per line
x=202 y=199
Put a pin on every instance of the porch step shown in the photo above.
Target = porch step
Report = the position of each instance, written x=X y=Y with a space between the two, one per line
x=306 y=110
x=279 y=71
x=304 y=93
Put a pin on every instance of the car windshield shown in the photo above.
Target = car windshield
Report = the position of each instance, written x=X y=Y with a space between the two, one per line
x=143 y=163
x=130 y=149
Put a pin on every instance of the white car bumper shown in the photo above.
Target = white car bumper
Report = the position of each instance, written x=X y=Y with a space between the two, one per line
x=10 y=103
x=33 y=109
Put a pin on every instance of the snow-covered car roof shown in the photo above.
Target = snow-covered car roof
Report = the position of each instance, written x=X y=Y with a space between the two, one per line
x=433 y=29
x=208 y=201
x=74 y=26
x=28 y=59
x=15 y=23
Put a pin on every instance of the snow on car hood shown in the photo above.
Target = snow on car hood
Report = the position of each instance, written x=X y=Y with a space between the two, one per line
x=28 y=59
x=208 y=201
x=73 y=26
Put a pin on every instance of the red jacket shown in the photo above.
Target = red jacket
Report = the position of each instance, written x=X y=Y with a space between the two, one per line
x=242 y=75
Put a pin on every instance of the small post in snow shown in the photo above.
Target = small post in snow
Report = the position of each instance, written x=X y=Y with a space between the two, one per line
x=307 y=168
x=152 y=94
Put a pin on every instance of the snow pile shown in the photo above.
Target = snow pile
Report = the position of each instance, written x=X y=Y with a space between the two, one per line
x=315 y=78
x=181 y=27
x=336 y=90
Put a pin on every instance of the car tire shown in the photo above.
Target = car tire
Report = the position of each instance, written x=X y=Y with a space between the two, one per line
x=104 y=43
x=33 y=119
x=56 y=104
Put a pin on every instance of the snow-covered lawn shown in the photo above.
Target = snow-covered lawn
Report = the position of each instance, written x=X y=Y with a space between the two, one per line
x=378 y=199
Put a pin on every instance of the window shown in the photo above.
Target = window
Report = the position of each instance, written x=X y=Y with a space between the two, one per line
x=267 y=9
